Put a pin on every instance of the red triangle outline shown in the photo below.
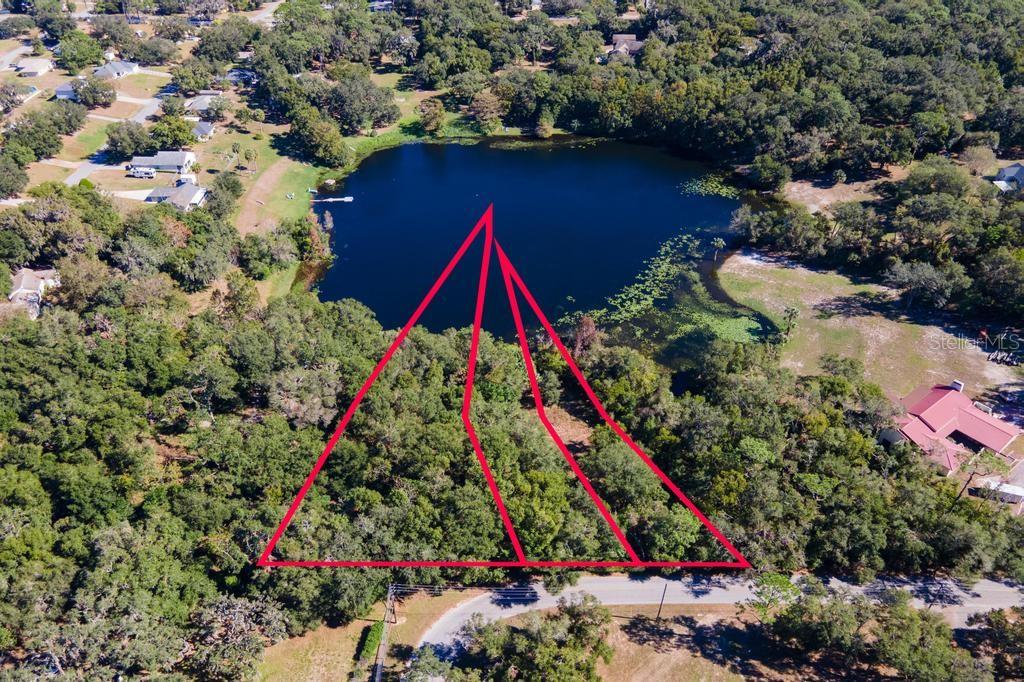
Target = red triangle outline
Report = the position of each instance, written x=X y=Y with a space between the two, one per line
x=513 y=284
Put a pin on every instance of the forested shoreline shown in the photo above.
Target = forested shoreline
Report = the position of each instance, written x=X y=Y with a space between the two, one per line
x=134 y=521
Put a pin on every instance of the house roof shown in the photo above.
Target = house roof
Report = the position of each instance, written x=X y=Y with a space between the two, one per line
x=936 y=412
x=1013 y=171
x=27 y=280
x=997 y=485
x=182 y=195
x=35 y=64
x=65 y=88
x=164 y=159
x=202 y=128
x=115 y=69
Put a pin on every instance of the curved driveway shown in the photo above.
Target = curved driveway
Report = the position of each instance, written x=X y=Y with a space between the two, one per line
x=955 y=600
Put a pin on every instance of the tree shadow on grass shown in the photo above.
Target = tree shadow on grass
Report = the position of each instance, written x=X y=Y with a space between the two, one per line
x=861 y=304
x=743 y=649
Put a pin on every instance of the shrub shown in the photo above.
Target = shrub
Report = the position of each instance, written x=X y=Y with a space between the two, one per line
x=374 y=633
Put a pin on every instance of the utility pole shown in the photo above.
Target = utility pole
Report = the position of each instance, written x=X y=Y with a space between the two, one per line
x=663 y=592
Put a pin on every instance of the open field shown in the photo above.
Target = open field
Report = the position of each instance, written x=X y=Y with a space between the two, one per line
x=39 y=173
x=839 y=315
x=140 y=85
x=642 y=655
x=321 y=654
x=279 y=284
x=119 y=109
x=85 y=142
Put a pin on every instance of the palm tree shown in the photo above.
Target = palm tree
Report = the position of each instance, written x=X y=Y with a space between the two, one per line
x=789 y=320
x=717 y=244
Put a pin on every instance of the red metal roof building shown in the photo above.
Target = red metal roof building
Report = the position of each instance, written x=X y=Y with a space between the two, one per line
x=948 y=426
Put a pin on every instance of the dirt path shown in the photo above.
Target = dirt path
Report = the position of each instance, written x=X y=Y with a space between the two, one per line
x=252 y=214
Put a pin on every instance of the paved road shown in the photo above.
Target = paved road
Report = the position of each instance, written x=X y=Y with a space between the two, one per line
x=955 y=601
x=87 y=168
x=266 y=14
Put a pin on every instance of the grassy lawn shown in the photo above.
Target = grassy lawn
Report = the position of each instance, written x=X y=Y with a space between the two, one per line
x=85 y=142
x=39 y=173
x=838 y=315
x=329 y=653
x=117 y=110
x=270 y=181
x=321 y=654
x=279 y=284
x=666 y=657
x=142 y=85
x=115 y=180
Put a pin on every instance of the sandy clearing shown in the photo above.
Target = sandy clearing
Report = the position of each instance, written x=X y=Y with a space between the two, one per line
x=819 y=198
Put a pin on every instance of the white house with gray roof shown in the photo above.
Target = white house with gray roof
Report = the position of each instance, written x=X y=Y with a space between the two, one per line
x=1010 y=178
x=28 y=287
x=203 y=130
x=167 y=162
x=184 y=195
x=115 y=70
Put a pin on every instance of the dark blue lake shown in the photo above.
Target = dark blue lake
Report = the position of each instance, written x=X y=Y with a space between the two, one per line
x=578 y=222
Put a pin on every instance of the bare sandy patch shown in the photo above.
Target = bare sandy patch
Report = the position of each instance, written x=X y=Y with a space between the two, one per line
x=817 y=197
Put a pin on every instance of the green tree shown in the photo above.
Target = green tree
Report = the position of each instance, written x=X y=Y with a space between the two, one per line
x=773 y=592
x=94 y=92
x=172 y=132
x=919 y=644
x=78 y=50
x=127 y=139
x=432 y=116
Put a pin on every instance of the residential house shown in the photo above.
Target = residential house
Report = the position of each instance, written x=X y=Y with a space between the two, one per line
x=203 y=130
x=115 y=70
x=201 y=102
x=29 y=286
x=626 y=44
x=34 y=66
x=1010 y=178
x=945 y=423
x=66 y=91
x=184 y=195
x=381 y=5
x=168 y=162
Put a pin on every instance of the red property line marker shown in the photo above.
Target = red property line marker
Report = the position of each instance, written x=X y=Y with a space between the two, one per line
x=510 y=276
x=467 y=398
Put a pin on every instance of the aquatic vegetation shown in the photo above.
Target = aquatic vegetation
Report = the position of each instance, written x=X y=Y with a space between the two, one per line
x=710 y=185
x=668 y=312
x=656 y=281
